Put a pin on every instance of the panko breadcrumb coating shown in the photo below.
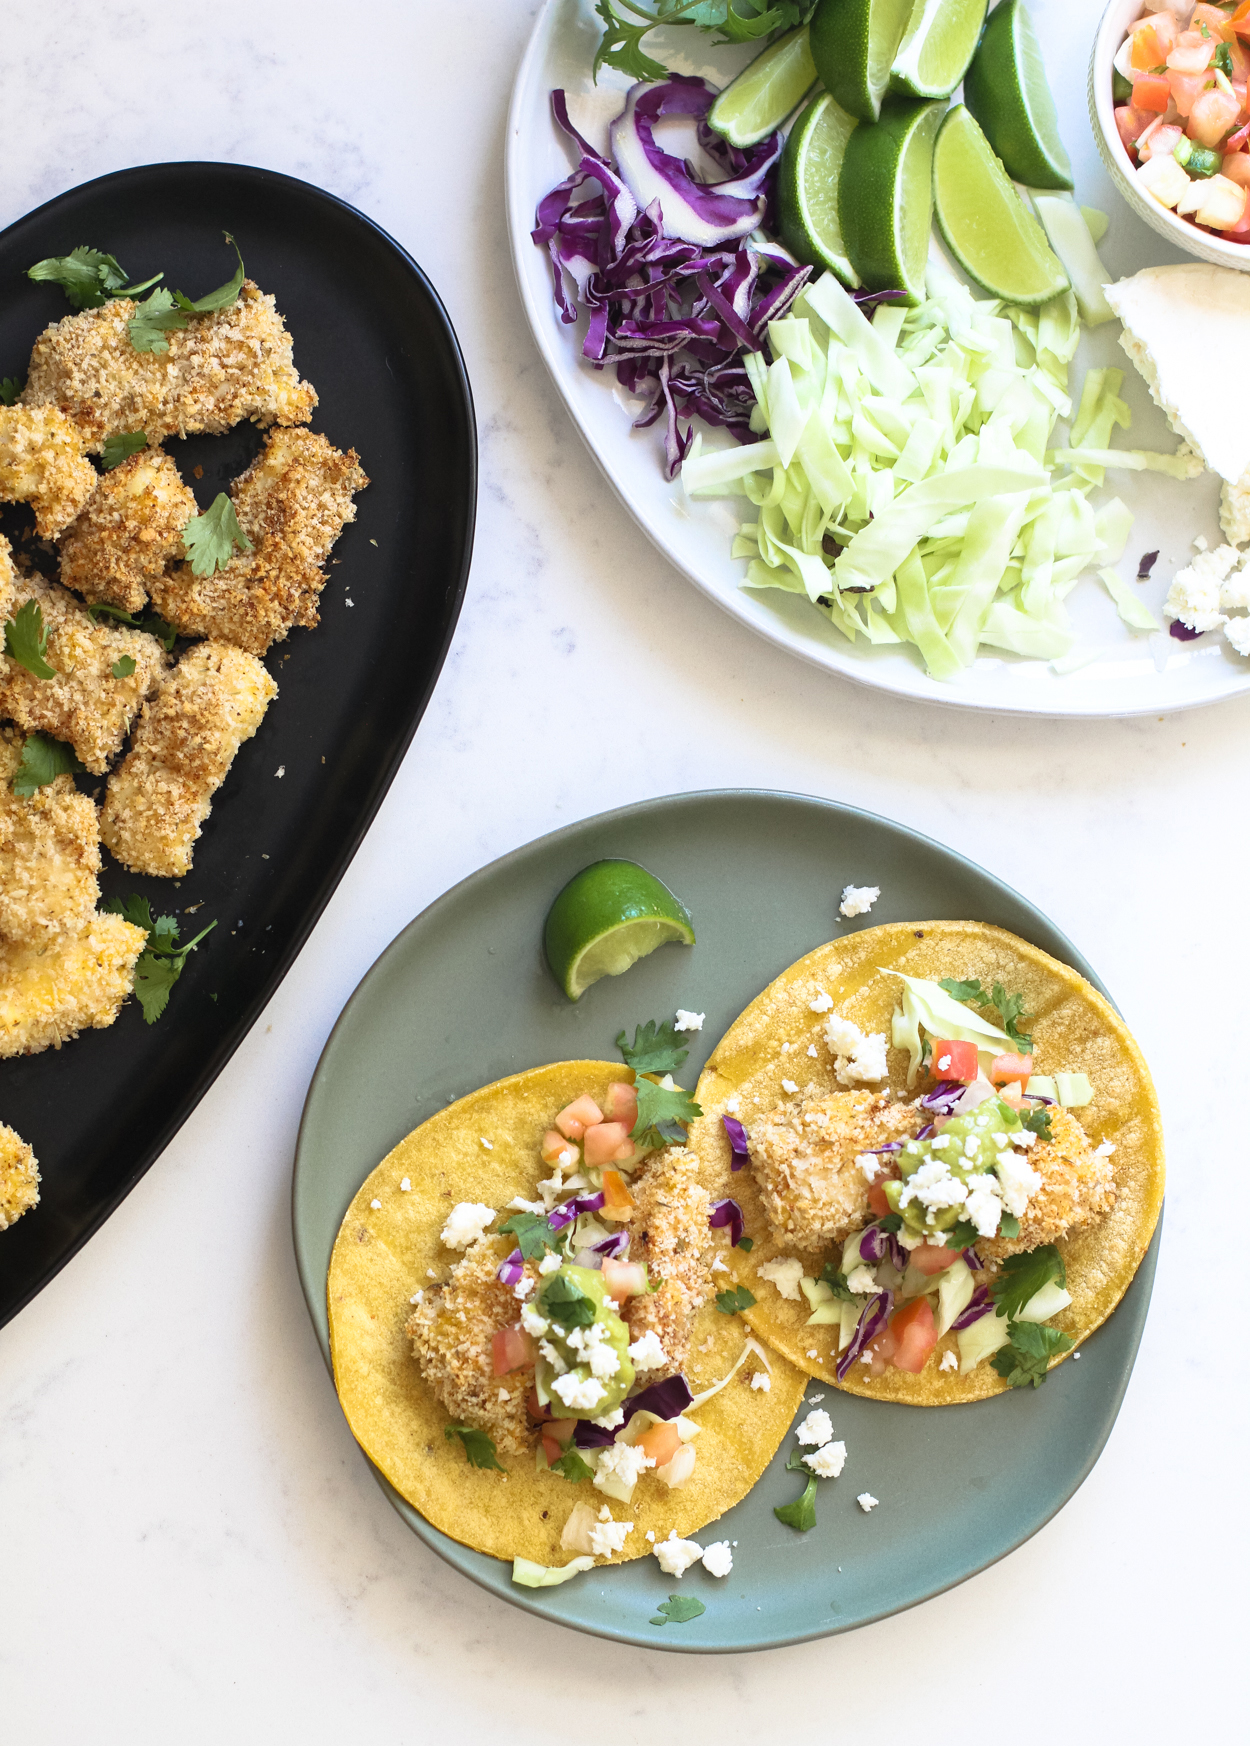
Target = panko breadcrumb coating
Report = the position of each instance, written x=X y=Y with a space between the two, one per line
x=19 y=1177
x=1078 y=1186
x=48 y=993
x=803 y=1158
x=292 y=503
x=42 y=463
x=451 y=1331
x=49 y=854
x=232 y=364
x=186 y=740
x=129 y=530
x=84 y=703
x=8 y=578
x=670 y=1216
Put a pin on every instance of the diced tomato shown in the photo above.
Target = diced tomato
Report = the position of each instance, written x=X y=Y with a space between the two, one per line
x=1147 y=50
x=1217 y=22
x=577 y=1116
x=916 y=1332
x=1162 y=143
x=621 y=1104
x=1129 y=125
x=618 y=1202
x=882 y=1352
x=660 y=1443
x=1152 y=93
x=952 y=1060
x=535 y=1407
x=1186 y=88
x=1006 y=1067
x=511 y=1349
x=555 y=1147
x=878 y=1205
x=622 y=1279
x=602 y=1142
x=556 y=1438
x=931 y=1259
x=1192 y=52
x=1239 y=23
x=1212 y=115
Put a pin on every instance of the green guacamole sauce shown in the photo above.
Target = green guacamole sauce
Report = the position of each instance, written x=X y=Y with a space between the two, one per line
x=961 y=1158
x=573 y=1302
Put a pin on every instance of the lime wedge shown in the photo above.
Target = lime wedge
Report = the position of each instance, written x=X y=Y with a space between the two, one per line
x=937 y=46
x=886 y=201
x=854 y=43
x=757 y=102
x=987 y=227
x=808 y=183
x=1006 y=90
x=607 y=917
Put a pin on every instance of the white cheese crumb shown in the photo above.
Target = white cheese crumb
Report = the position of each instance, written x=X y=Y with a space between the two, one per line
x=786 y=1048
x=553 y=1356
x=733 y=1104
x=861 y=1059
x=1194 y=596
x=814 y=1399
x=816 y=1428
x=377 y=1204
x=650 y=1535
x=523 y=1287
x=675 y=1556
x=405 y=1186
x=718 y=1266
x=950 y=1361
x=430 y=1273
x=762 y=1380
x=828 y=1461
x=689 y=1021
x=549 y=1263
x=862 y=1281
x=503 y=1394
x=482 y=1140
x=280 y=771
x=789 y=1086
x=1200 y=543
x=1018 y=1179
x=858 y=899
x=609 y=1537
x=822 y=1002
x=812 y=1352
x=811 y=1049
x=647 y=1352
x=519 y=1204
x=867 y=1501
x=534 y=1324
x=416 y=1297
x=622 y=1462
x=578 y=1395
x=1105 y=1150
x=717 y=1558
x=784 y=1274
x=870 y=1166
x=610 y=1421
x=466 y=1223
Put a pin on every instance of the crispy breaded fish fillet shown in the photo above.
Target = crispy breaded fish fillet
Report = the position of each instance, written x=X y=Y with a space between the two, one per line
x=670 y=1217
x=87 y=703
x=1077 y=1187
x=129 y=530
x=19 y=1177
x=451 y=1330
x=186 y=740
x=292 y=503
x=233 y=364
x=49 y=854
x=48 y=993
x=8 y=577
x=42 y=463
x=803 y=1156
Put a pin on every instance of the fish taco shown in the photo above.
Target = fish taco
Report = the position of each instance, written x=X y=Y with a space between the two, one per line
x=525 y=1334
x=949 y=1154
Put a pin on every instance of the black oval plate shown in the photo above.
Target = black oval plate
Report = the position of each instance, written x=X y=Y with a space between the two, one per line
x=372 y=336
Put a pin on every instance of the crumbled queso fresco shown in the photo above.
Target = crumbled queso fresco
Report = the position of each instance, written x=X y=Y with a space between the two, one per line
x=785 y=1275
x=858 y=899
x=828 y=1461
x=762 y=1380
x=816 y=1428
x=647 y=1353
x=689 y=1021
x=675 y=1556
x=859 y=1059
x=867 y=1501
x=466 y=1223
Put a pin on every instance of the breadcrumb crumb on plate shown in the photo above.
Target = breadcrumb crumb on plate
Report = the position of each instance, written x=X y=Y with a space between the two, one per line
x=19 y=1177
x=129 y=529
x=49 y=854
x=42 y=463
x=48 y=993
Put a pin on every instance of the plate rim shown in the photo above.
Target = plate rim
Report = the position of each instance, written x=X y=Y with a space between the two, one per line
x=216 y=1062
x=313 y=1282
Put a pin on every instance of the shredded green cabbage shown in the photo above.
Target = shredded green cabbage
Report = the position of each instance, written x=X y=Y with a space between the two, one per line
x=927 y=1004
x=904 y=483
x=531 y=1575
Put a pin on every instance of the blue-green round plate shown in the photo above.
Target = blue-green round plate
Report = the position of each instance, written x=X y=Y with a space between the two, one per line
x=463 y=997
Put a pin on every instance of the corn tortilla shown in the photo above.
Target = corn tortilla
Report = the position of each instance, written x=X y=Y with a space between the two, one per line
x=1074 y=1030
x=382 y=1255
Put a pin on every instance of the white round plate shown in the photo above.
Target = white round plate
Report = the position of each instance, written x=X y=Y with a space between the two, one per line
x=1127 y=673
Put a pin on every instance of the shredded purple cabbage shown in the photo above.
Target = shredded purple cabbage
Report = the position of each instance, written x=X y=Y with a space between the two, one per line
x=869 y=300
x=943 y=1098
x=614 y=1247
x=978 y=1305
x=876 y=1314
x=972 y=1260
x=898 y=1255
x=665 y=1399
x=872 y=1244
x=509 y=1271
x=1182 y=632
x=727 y=1212
x=1147 y=564
x=928 y=1131
x=737 y=1141
x=670 y=317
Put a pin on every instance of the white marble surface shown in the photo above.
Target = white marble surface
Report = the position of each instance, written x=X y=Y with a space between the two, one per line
x=191 y=1548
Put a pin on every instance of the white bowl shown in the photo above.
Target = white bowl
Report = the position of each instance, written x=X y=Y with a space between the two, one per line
x=1111 y=33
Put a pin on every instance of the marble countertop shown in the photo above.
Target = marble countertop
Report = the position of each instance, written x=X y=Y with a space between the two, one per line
x=193 y=1547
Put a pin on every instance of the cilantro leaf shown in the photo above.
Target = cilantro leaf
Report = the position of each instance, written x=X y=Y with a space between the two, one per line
x=26 y=640
x=891 y=1223
x=746 y=1244
x=222 y=297
x=565 y=1302
x=1037 y=1121
x=1026 y=1360
x=621 y=46
x=155 y=317
x=10 y=388
x=663 y=1115
x=43 y=760
x=119 y=448
x=123 y=667
x=87 y=276
x=210 y=538
x=479 y=1450
x=962 y=1235
x=735 y=1299
x=150 y=622
x=1223 y=59
x=1010 y=1007
x=964 y=991
x=655 y=1048
x=678 y=1609
x=1023 y=1276
x=795 y=1463
x=836 y=1282
x=801 y=1514
x=571 y=1466
x=1009 y=1226
x=162 y=959
x=533 y=1233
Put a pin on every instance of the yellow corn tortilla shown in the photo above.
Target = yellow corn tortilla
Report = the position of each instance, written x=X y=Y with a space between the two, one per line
x=1074 y=1030
x=383 y=1255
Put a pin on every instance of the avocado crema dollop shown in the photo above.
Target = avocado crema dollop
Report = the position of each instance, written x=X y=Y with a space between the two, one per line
x=583 y=1369
x=966 y=1147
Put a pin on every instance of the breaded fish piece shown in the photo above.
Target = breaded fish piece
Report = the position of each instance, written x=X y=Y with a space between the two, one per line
x=186 y=740
x=42 y=463
x=669 y=1231
x=803 y=1158
x=129 y=530
x=85 y=703
x=232 y=364
x=48 y=993
x=19 y=1177
x=1078 y=1186
x=8 y=580
x=292 y=503
x=49 y=854
x=451 y=1331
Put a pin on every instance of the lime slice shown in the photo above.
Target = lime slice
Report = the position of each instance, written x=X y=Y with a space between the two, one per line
x=1006 y=90
x=987 y=227
x=808 y=183
x=886 y=200
x=854 y=43
x=937 y=46
x=607 y=917
x=757 y=102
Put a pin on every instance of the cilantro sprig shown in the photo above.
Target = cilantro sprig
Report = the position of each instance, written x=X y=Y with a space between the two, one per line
x=655 y=1048
x=479 y=1449
x=123 y=667
x=42 y=761
x=88 y=277
x=210 y=539
x=10 y=388
x=533 y=1233
x=1010 y=1007
x=663 y=1115
x=626 y=23
x=801 y=1514
x=1021 y=1277
x=166 y=312
x=119 y=448
x=150 y=622
x=162 y=959
x=571 y=1466
x=733 y=1301
x=26 y=640
x=1024 y=1362
x=836 y=1281
x=1037 y=1121
x=563 y=1300
x=678 y=1609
